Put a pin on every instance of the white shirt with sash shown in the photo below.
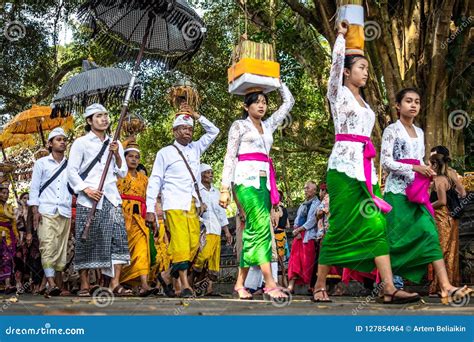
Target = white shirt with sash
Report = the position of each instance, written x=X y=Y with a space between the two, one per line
x=55 y=198
x=83 y=151
x=171 y=177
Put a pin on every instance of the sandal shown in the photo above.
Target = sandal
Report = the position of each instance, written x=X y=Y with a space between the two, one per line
x=121 y=291
x=167 y=288
x=401 y=300
x=200 y=287
x=325 y=299
x=268 y=290
x=93 y=289
x=146 y=293
x=456 y=294
x=246 y=294
x=186 y=293
x=83 y=293
x=65 y=293
x=155 y=291
x=10 y=290
x=53 y=292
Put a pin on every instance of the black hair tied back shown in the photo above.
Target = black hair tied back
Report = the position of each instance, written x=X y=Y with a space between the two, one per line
x=252 y=98
x=401 y=94
x=349 y=60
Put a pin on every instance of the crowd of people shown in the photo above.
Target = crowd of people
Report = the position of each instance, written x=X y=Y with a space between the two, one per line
x=162 y=234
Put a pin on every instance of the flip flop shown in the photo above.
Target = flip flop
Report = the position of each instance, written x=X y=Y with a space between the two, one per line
x=247 y=294
x=321 y=300
x=456 y=294
x=268 y=290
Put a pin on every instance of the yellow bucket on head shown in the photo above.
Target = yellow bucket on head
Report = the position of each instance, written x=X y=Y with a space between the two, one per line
x=355 y=38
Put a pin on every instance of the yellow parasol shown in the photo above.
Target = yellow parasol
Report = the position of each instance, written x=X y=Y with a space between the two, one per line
x=37 y=120
x=7 y=168
x=8 y=139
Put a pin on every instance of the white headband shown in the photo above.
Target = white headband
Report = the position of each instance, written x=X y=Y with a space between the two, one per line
x=182 y=119
x=131 y=149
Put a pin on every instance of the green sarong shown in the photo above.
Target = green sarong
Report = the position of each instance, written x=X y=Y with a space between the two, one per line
x=356 y=233
x=412 y=237
x=256 y=237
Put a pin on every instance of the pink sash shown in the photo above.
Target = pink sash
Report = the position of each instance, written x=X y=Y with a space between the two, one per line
x=369 y=154
x=418 y=190
x=274 y=195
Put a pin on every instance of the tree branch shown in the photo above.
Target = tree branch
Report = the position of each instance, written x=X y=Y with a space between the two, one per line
x=58 y=76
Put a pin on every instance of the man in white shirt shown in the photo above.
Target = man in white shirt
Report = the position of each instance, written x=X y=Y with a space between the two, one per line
x=214 y=220
x=106 y=247
x=50 y=202
x=180 y=199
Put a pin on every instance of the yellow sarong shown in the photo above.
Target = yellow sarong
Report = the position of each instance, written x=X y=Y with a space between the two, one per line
x=210 y=254
x=184 y=227
x=137 y=231
x=162 y=261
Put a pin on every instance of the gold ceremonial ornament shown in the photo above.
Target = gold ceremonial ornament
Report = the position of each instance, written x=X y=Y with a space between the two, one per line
x=184 y=92
x=133 y=125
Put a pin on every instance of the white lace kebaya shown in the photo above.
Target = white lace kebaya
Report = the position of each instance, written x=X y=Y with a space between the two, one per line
x=397 y=145
x=244 y=138
x=349 y=118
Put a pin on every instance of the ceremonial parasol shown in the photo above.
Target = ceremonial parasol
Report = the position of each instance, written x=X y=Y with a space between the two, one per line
x=93 y=85
x=8 y=139
x=167 y=31
x=37 y=120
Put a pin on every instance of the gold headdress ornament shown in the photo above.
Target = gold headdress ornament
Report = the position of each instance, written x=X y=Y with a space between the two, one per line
x=133 y=125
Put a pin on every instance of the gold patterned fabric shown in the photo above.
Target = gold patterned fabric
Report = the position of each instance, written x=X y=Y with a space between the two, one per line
x=133 y=191
x=448 y=232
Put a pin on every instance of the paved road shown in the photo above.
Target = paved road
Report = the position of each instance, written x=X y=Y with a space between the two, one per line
x=299 y=305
